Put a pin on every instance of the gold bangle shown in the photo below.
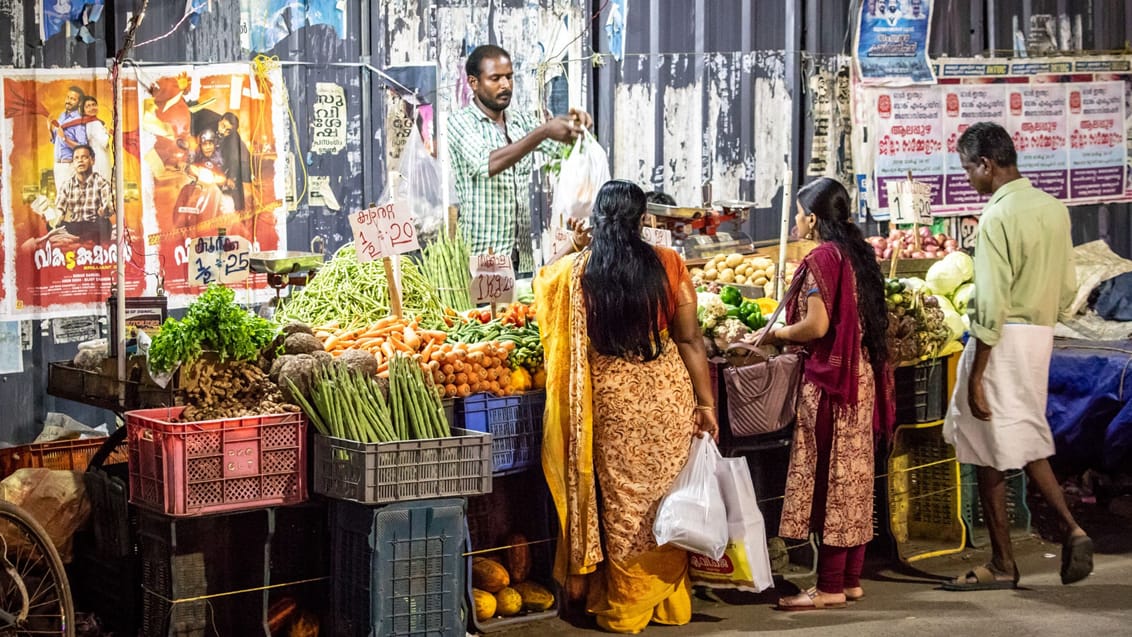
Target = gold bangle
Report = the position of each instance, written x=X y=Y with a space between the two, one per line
x=706 y=407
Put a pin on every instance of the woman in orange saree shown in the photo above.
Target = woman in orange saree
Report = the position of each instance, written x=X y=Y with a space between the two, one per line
x=627 y=388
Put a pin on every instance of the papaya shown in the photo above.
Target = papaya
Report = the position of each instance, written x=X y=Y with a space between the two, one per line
x=518 y=557
x=508 y=602
x=485 y=604
x=535 y=598
x=489 y=575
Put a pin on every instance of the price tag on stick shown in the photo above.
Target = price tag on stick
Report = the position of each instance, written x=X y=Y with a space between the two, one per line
x=382 y=231
x=218 y=259
x=657 y=236
x=493 y=279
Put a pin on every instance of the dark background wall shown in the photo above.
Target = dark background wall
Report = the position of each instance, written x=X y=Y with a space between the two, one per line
x=708 y=89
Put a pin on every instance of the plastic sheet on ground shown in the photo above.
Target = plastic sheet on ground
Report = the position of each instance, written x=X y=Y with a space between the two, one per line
x=1090 y=403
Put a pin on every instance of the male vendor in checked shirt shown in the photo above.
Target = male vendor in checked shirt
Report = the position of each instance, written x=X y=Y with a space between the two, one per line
x=491 y=148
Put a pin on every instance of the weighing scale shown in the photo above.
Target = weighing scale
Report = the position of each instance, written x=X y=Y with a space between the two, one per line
x=696 y=231
x=285 y=268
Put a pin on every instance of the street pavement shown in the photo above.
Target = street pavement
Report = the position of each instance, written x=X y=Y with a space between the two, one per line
x=905 y=600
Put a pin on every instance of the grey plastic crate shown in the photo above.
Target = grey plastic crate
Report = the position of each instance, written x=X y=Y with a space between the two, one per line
x=380 y=473
x=398 y=570
x=1017 y=511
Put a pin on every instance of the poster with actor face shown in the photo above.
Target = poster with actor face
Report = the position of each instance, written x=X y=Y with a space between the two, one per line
x=59 y=204
x=212 y=139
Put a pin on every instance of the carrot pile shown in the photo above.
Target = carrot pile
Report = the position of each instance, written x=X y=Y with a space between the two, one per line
x=460 y=369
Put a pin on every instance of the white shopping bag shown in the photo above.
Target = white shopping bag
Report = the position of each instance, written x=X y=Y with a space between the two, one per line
x=745 y=564
x=581 y=175
x=692 y=516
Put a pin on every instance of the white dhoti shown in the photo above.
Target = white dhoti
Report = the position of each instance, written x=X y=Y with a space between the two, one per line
x=1016 y=386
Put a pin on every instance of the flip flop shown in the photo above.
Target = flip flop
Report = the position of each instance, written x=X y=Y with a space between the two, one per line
x=1076 y=559
x=814 y=597
x=985 y=580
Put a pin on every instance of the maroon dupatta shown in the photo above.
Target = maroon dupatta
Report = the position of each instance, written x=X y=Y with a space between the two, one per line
x=832 y=361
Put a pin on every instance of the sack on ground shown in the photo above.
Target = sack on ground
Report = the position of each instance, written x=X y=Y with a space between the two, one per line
x=582 y=174
x=745 y=565
x=692 y=516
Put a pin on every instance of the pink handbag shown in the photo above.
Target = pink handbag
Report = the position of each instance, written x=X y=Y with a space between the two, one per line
x=762 y=397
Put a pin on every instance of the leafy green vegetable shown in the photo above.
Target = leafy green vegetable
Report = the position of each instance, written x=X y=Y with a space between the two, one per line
x=213 y=321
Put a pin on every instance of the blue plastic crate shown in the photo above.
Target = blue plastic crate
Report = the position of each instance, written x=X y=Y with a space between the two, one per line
x=515 y=425
x=398 y=570
x=1017 y=511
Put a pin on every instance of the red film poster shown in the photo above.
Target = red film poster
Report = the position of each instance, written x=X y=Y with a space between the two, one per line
x=59 y=204
x=212 y=143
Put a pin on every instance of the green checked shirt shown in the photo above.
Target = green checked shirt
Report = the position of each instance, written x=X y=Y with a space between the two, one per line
x=495 y=212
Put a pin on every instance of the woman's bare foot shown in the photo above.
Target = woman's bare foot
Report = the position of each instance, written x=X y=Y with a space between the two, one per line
x=854 y=593
x=812 y=599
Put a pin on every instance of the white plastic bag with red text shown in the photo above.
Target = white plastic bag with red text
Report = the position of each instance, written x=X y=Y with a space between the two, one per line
x=692 y=515
x=745 y=565
x=582 y=174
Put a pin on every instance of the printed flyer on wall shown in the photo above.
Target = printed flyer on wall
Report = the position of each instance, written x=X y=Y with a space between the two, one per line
x=892 y=42
x=59 y=220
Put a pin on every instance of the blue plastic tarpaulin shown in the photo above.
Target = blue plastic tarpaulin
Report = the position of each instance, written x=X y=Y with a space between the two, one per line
x=1090 y=403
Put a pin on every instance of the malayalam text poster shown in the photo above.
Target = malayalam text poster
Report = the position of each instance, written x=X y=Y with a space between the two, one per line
x=1097 y=152
x=892 y=42
x=964 y=105
x=909 y=139
x=211 y=141
x=1038 y=125
x=58 y=197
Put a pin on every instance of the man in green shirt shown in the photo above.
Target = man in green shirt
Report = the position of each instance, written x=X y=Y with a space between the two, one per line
x=491 y=151
x=1024 y=280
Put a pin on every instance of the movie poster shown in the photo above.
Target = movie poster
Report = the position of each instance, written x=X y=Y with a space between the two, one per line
x=212 y=143
x=59 y=204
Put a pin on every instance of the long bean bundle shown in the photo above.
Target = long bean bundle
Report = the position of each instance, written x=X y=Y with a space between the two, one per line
x=347 y=293
x=446 y=266
x=347 y=404
x=417 y=410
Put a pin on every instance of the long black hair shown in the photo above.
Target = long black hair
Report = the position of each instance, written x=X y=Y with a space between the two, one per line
x=624 y=286
x=829 y=202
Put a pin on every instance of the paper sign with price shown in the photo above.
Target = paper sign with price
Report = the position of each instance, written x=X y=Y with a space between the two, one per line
x=557 y=242
x=218 y=259
x=493 y=279
x=657 y=236
x=383 y=231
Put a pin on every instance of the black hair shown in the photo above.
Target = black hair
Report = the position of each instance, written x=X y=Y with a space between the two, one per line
x=625 y=286
x=74 y=89
x=829 y=202
x=987 y=139
x=476 y=57
x=231 y=118
x=89 y=150
x=85 y=99
x=659 y=197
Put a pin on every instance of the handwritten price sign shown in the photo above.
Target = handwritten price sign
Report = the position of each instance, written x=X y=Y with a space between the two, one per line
x=493 y=279
x=218 y=260
x=383 y=231
x=657 y=236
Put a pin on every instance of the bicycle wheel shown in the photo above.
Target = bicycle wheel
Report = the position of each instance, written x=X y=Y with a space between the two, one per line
x=35 y=598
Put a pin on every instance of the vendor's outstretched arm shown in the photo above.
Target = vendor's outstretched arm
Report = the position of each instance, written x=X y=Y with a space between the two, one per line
x=560 y=129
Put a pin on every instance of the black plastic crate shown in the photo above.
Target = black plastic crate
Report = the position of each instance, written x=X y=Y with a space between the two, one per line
x=398 y=569
x=209 y=575
x=108 y=588
x=517 y=504
x=515 y=425
x=921 y=392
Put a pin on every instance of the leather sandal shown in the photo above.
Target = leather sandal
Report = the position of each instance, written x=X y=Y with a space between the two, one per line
x=809 y=599
x=983 y=578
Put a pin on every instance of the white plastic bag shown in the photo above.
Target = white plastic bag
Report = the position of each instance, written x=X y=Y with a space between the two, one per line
x=421 y=187
x=692 y=516
x=579 y=178
x=745 y=564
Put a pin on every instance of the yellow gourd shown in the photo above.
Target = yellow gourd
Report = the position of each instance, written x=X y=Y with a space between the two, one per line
x=540 y=378
x=489 y=575
x=520 y=380
x=508 y=602
x=535 y=598
x=485 y=604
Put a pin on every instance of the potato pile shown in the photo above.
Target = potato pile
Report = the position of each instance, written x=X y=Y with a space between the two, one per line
x=737 y=269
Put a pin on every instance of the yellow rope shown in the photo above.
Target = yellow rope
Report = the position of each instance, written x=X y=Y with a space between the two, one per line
x=201 y=598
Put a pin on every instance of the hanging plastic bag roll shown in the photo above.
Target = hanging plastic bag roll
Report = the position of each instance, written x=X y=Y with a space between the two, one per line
x=421 y=187
x=692 y=516
x=582 y=174
x=745 y=565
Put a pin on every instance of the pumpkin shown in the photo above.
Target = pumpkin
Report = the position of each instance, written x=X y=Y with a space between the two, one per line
x=489 y=575
x=535 y=597
x=484 y=603
x=508 y=602
x=518 y=557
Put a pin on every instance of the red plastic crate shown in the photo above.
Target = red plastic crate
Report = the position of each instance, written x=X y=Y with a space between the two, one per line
x=188 y=469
